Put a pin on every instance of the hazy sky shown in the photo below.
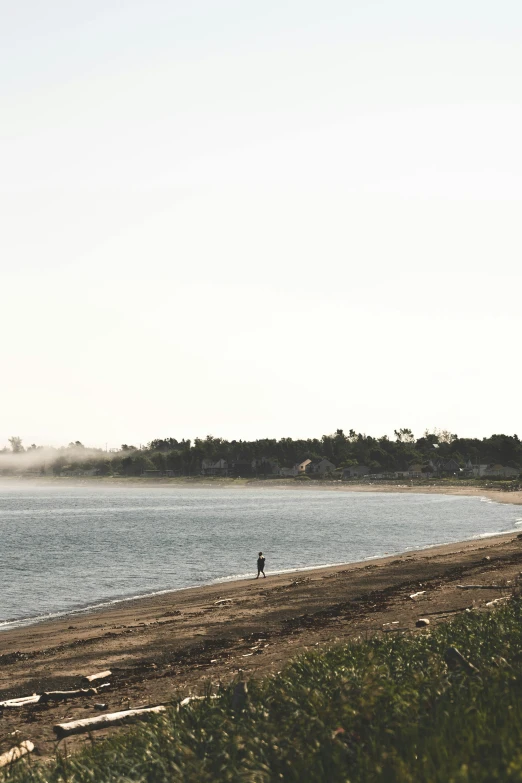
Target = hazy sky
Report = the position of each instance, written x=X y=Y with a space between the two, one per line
x=259 y=219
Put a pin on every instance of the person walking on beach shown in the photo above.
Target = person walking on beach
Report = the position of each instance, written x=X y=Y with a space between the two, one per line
x=260 y=565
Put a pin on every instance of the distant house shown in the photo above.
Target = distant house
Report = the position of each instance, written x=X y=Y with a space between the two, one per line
x=320 y=466
x=298 y=469
x=499 y=471
x=214 y=468
x=451 y=466
x=240 y=468
x=415 y=471
x=383 y=474
x=301 y=467
x=355 y=471
x=477 y=471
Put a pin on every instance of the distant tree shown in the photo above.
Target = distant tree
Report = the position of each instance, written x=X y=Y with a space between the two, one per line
x=404 y=436
x=159 y=461
x=104 y=468
x=58 y=465
x=16 y=444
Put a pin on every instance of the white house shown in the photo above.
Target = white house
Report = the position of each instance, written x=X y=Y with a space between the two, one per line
x=302 y=467
x=298 y=469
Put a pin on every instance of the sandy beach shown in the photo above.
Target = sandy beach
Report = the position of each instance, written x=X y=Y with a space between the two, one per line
x=172 y=645
x=499 y=496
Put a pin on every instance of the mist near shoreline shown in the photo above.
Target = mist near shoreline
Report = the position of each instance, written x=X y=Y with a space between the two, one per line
x=40 y=459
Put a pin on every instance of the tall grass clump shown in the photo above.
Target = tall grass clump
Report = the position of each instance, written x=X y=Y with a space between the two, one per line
x=392 y=709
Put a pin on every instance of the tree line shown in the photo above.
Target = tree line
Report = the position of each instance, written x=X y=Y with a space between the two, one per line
x=258 y=457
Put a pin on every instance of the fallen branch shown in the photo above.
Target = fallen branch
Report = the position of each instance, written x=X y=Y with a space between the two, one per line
x=100 y=676
x=112 y=719
x=481 y=587
x=14 y=754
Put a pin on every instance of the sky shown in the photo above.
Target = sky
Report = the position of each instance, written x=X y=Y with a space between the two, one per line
x=259 y=219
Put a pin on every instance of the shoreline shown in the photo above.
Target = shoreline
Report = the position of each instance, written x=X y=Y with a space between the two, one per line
x=499 y=495
x=113 y=603
x=510 y=498
x=163 y=647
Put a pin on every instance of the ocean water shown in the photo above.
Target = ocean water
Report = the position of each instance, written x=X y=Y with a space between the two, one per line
x=65 y=549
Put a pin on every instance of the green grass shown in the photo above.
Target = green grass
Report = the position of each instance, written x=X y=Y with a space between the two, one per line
x=387 y=709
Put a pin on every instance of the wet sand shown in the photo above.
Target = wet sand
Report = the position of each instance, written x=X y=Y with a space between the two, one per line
x=172 y=645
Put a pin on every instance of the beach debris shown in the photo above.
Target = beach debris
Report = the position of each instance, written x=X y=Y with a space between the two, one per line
x=223 y=601
x=498 y=600
x=481 y=587
x=100 y=706
x=422 y=622
x=21 y=702
x=16 y=753
x=64 y=695
x=99 y=676
x=43 y=698
x=188 y=699
x=111 y=719
x=455 y=658
x=416 y=595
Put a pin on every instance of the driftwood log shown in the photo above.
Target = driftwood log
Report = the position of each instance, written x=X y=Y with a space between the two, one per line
x=14 y=754
x=64 y=695
x=21 y=702
x=99 y=676
x=112 y=719
x=498 y=600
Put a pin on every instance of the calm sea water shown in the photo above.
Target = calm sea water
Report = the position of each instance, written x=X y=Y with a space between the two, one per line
x=66 y=549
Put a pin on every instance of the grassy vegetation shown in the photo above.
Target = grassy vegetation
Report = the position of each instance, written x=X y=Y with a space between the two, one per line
x=387 y=709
